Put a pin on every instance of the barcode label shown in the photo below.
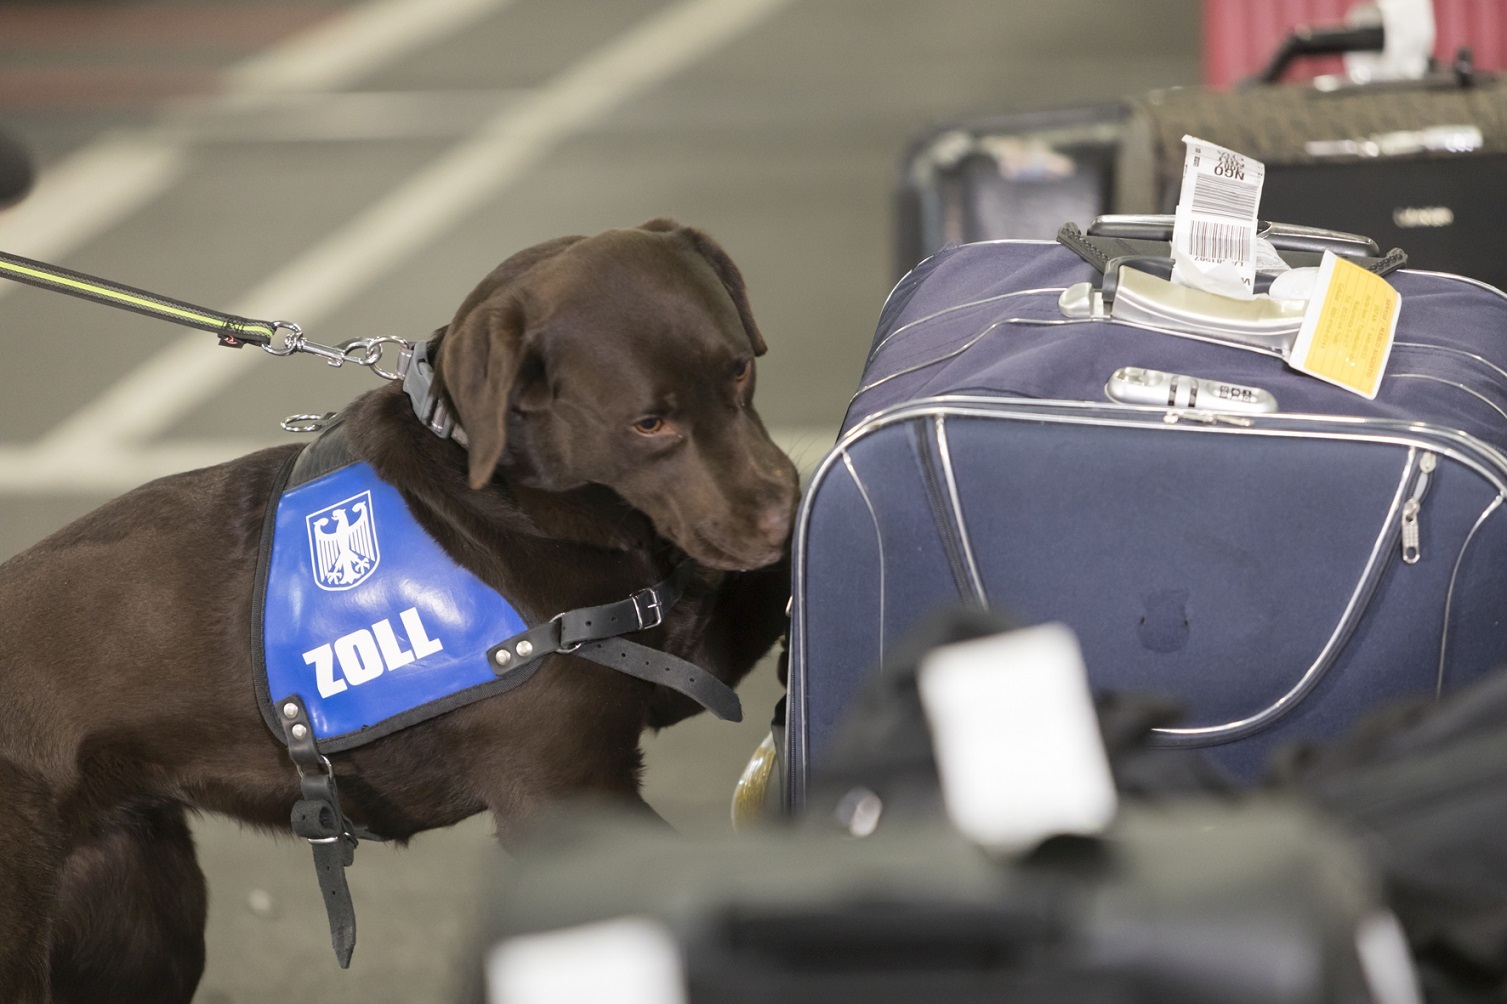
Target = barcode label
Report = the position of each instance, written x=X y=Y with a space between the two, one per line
x=1224 y=197
x=1220 y=241
x=1214 y=232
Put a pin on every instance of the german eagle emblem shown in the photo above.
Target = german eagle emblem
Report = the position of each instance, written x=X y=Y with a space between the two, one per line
x=343 y=543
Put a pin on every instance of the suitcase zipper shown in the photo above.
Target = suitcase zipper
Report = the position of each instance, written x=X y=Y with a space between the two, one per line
x=1414 y=483
x=1412 y=507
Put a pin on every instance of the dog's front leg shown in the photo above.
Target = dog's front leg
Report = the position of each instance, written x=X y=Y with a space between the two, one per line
x=132 y=905
x=513 y=830
x=31 y=857
x=524 y=800
x=748 y=615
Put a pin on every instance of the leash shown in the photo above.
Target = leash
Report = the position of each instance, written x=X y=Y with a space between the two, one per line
x=232 y=330
x=413 y=367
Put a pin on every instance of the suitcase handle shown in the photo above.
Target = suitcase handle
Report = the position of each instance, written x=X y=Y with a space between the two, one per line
x=1307 y=41
x=1139 y=297
x=1281 y=236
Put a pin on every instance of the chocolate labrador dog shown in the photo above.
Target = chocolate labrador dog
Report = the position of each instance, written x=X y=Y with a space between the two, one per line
x=604 y=385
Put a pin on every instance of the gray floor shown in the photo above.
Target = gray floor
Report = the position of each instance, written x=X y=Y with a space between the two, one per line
x=364 y=196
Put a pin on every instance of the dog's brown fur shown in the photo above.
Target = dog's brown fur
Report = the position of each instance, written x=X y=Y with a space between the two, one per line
x=124 y=638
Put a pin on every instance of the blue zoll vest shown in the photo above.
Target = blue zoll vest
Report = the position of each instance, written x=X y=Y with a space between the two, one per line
x=365 y=617
x=369 y=626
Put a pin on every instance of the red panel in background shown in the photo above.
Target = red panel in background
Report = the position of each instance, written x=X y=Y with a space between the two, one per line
x=1241 y=35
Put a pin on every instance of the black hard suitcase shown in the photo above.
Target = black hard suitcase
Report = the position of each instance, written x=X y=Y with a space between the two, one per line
x=1417 y=164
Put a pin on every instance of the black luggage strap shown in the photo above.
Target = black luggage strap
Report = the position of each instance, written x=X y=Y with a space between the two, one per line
x=595 y=633
x=317 y=818
x=1100 y=251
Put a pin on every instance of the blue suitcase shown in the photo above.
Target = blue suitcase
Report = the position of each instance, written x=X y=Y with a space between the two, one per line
x=1251 y=567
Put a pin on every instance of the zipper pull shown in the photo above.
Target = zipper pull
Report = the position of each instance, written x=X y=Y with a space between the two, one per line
x=1410 y=509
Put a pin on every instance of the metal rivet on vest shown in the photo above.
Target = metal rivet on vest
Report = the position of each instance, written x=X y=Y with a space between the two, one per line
x=299 y=731
x=290 y=710
x=503 y=657
x=525 y=649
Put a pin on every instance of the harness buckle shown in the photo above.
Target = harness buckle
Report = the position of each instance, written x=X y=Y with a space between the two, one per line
x=647 y=601
x=558 y=620
x=324 y=762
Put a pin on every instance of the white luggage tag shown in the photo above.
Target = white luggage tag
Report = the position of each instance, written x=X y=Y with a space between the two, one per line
x=1016 y=738
x=1214 y=230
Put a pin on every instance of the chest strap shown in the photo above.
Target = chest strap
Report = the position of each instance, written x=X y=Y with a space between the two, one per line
x=595 y=633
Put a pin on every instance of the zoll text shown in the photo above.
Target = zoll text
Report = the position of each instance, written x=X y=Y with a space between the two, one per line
x=364 y=654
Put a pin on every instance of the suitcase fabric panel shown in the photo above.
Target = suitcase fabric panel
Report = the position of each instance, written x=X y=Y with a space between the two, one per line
x=880 y=551
x=1190 y=586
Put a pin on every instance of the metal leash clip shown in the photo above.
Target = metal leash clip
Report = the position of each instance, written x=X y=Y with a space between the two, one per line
x=360 y=351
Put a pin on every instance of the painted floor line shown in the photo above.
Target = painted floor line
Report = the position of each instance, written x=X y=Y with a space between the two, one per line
x=108 y=180
x=351 y=45
x=28 y=471
x=342 y=116
x=148 y=400
x=87 y=193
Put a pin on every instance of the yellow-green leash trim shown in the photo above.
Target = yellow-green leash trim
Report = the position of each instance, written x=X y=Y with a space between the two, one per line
x=233 y=331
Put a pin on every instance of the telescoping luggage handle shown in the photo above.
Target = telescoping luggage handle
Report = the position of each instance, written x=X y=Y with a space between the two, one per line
x=1134 y=256
x=232 y=330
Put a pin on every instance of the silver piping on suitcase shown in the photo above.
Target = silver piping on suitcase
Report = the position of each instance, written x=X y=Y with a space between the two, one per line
x=1416 y=437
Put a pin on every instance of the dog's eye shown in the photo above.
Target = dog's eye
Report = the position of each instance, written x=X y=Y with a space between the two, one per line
x=649 y=425
x=742 y=369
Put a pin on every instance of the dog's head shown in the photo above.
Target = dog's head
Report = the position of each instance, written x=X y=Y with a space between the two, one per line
x=626 y=360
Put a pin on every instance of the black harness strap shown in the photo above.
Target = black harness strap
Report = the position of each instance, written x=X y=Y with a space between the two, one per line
x=317 y=818
x=595 y=633
x=666 y=670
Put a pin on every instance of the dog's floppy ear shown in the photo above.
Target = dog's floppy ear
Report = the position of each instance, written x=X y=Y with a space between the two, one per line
x=482 y=353
x=479 y=361
x=732 y=279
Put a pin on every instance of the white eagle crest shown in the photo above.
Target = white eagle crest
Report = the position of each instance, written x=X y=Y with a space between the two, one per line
x=343 y=543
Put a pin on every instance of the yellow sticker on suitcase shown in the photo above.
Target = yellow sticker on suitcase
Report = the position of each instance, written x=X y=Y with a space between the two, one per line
x=1348 y=327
